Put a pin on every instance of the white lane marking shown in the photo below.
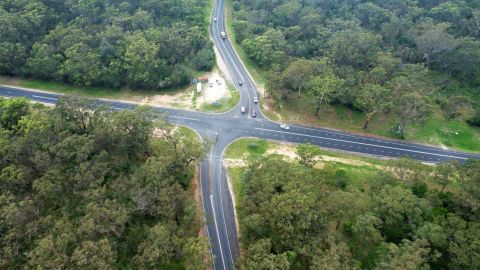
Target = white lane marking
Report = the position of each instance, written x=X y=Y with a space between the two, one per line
x=223 y=215
x=193 y=119
x=367 y=144
x=203 y=205
x=216 y=229
x=44 y=97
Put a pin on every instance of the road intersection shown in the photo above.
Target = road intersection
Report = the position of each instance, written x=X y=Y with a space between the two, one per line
x=221 y=129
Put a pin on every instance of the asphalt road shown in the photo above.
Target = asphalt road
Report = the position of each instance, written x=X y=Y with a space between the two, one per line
x=221 y=129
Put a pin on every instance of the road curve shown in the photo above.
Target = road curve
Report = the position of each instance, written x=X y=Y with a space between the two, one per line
x=221 y=129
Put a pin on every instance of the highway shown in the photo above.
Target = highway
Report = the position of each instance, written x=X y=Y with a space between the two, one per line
x=221 y=129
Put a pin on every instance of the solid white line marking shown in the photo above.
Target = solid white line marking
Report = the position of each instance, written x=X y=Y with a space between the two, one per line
x=216 y=229
x=44 y=97
x=193 y=119
x=368 y=144
x=223 y=215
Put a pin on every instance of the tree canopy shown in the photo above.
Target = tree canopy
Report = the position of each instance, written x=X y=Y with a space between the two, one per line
x=340 y=51
x=84 y=187
x=295 y=215
x=140 y=44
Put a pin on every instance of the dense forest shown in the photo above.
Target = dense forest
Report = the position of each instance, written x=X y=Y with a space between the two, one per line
x=140 y=44
x=375 y=56
x=295 y=215
x=83 y=187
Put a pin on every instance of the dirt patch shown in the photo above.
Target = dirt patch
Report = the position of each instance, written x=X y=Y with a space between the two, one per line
x=352 y=162
x=234 y=163
x=214 y=90
x=182 y=100
x=290 y=152
x=211 y=92
x=284 y=150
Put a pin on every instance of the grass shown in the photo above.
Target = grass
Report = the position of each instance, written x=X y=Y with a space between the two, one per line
x=244 y=147
x=188 y=133
x=224 y=104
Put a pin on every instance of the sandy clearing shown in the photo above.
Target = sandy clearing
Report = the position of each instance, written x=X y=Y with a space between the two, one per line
x=215 y=89
x=234 y=163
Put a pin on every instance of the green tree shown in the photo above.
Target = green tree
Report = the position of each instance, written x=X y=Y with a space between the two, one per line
x=470 y=184
x=12 y=111
x=410 y=255
x=322 y=90
x=337 y=256
x=94 y=255
x=454 y=106
x=446 y=173
x=434 y=41
x=308 y=154
x=196 y=252
x=205 y=59
x=259 y=256
x=12 y=58
x=158 y=249
x=144 y=69
x=355 y=48
x=82 y=66
x=372 y=99
x=298 y=73
x=410 y=108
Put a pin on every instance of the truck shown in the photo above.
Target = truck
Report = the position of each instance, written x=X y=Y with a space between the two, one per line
x=223 y=34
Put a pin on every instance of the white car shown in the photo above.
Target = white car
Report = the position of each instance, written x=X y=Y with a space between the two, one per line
x=214 y=19
x=283 y=126
x=255 y=100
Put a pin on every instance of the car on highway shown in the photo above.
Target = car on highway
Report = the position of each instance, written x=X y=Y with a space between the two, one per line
x=255 y=99
x=240 y=83
x=214 y=19
x=283 y=126
x=223 y=34
x=242 y=109
x=254 y=114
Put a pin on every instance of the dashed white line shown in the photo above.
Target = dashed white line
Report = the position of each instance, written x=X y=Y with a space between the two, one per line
x=44 y=97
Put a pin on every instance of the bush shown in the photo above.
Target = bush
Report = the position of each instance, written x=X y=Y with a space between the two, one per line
x=253 y=146
x=475 y=121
